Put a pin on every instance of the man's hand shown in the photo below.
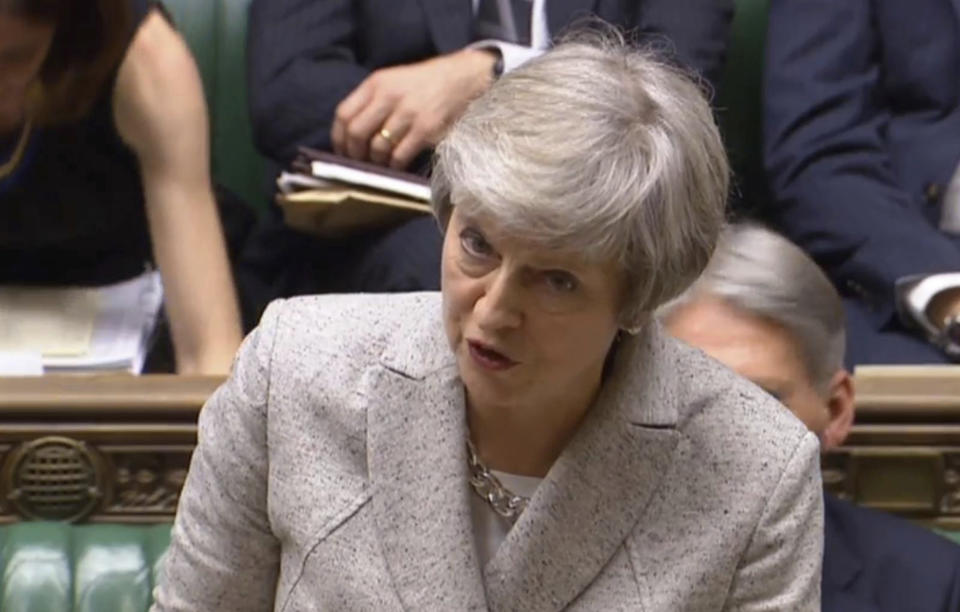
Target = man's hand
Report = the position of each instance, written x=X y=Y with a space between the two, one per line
x=398 y=112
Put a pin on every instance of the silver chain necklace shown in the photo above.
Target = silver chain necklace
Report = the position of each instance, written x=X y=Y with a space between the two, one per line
x=503 y=501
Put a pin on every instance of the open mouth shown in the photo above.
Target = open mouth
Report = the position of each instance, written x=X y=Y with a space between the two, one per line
x=489 y=358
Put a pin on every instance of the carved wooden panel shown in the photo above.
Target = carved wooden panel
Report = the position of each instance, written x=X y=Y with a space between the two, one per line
x=97 y=448
x=117 y=448
x=903 y=455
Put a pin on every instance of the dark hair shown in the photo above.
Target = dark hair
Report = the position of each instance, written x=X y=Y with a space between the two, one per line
x=89 y=41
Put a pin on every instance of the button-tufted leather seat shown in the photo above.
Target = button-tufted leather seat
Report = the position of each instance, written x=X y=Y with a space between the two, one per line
x=56 y=567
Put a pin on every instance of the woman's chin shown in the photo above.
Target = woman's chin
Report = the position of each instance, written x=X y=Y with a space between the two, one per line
x=489 y=386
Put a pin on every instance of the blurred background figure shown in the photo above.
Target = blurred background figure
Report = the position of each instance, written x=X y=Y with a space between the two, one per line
x=765 y=309
x=381 y=80
x=862 y=130
x=104 y=164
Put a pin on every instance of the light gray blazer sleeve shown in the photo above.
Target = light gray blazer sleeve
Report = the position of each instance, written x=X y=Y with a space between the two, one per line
x=781 y=567
x=222 y=554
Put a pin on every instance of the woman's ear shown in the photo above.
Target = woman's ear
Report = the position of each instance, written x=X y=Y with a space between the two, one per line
x=840 y=404
x=632 y=329
x=633 y=322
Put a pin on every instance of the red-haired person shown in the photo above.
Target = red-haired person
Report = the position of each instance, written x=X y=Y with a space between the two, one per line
x=104 y=164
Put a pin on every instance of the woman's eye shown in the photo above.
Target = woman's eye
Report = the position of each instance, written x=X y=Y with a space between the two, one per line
x=560 y=281
x=474 y=243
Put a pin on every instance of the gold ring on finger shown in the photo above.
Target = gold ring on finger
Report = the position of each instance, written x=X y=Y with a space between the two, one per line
x=386 y=135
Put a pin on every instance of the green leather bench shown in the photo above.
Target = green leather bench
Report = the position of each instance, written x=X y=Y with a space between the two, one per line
x=56 y=567
x=216 y=31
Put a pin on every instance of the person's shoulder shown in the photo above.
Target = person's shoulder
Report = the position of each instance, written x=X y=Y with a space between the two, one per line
x=712 y=393
x=315 y=353
x=735 y=426
x=378 y=309
x=353 y=325
x=881 y=539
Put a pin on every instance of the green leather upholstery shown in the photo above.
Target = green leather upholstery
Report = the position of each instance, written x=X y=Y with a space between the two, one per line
x=216 y=31
x=56 y=567
x=740 y=100
x=951 y=534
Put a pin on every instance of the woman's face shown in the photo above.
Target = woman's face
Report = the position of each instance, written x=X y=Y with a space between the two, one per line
x=529 y=327
x=23 y=49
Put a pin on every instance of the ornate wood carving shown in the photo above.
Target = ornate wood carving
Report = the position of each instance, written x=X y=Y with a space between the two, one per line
x=125 y=445
x=950 y=502
x=147 y=484
x=97 y=448
x=53 y=478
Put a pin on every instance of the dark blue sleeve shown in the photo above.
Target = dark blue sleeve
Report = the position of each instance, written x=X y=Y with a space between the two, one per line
x=695 y=31
x=952 y=604
x=835 y=191
x=300 y=64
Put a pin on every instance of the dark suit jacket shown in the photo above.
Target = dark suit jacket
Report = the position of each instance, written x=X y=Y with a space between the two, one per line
x=862 y=135
x=305 y=56
x=873 y=562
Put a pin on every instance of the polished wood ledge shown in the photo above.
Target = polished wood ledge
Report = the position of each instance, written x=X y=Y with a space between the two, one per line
x=903 y=455
x=115 y=448
x=98 y=448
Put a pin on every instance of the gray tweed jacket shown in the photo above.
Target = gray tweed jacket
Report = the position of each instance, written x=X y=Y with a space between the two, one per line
x=331 y=474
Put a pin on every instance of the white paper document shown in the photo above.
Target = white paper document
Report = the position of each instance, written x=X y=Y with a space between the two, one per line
x=79 y=328
x=291 y=182
x=354 y=176
x=47 y=321
x=21 y=364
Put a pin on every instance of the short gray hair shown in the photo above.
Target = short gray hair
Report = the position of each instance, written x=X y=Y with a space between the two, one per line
x=762 y=273
x=598 y=148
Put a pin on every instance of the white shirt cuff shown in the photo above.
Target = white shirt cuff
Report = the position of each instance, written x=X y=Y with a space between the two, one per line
x=915 y=292
x=513 y=55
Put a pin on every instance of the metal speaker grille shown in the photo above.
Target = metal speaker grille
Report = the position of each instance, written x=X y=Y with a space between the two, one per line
x=56 y=479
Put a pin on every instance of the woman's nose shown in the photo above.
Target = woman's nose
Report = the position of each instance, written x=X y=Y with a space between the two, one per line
x=499 y=307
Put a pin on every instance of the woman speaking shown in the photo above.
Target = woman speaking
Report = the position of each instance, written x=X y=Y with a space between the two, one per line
x=528 y=438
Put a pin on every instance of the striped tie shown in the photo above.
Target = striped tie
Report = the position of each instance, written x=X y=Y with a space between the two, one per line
x=506 y=20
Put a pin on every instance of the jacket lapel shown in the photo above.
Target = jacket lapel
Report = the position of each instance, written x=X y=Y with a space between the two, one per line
x=597 y=490
x=450 y=23
x=416 y=453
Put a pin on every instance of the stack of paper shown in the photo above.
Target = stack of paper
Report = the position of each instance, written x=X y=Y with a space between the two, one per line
x=78 y=329
x=333 y=196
